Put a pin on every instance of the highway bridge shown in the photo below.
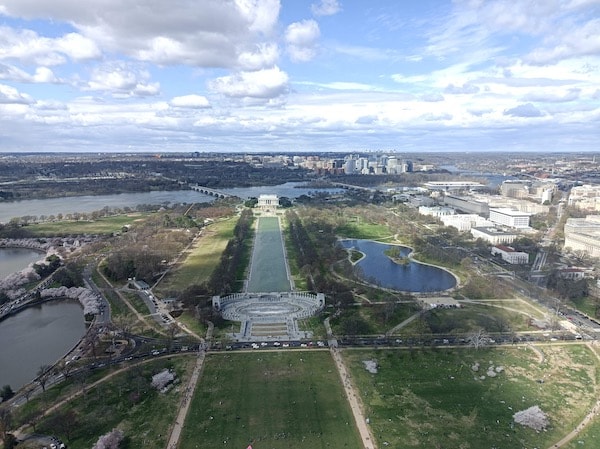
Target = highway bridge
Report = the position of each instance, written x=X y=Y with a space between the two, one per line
x=353 y=187
x=209 y=191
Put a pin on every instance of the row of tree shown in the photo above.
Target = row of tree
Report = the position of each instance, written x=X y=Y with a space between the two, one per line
x=234 y=259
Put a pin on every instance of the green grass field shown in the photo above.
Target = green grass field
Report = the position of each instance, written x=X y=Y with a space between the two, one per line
x=203 y=257
x=433 y=398
x=274 y=400
x=365 y=230
x=126 y=400
x=106 y=225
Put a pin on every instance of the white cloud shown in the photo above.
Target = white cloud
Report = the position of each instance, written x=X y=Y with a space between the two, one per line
x=326 y=8
x=341 y=85
x=369 y=53
x=261 y=56
x=301 y=39
x=464 y=89
x=555 y=29
x=264 y=84
x=10 y=95
x=524 y=110
x=10 y=72
x=121 y=80
x=45 y=105
x=432 y=97
x=28 y=47
x=190 y=101
x=553 y=96
x=44 y=75
x=207 y=33
x=569 y=42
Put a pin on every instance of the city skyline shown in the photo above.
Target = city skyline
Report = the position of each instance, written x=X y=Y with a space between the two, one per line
x=314 y=75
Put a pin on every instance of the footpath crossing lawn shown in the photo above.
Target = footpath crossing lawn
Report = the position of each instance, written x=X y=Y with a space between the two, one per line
x=268 y=271
x=272 y=400
x=460 y=398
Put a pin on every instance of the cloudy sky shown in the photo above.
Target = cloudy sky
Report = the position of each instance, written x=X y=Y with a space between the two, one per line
x=299 y=75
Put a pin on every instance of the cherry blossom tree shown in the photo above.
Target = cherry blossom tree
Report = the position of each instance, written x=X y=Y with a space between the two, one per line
x=110 y=440
x=532 y=417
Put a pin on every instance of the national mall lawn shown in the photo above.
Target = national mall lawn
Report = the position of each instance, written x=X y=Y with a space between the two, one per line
x=270 y=399
x=462 y=398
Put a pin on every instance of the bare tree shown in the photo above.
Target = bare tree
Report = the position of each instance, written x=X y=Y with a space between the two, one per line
x=43 y=375
x=5 y=422
x=478 y=339
x=124 y=323
x=64 y=367
x=172 y=331
x=64 y=423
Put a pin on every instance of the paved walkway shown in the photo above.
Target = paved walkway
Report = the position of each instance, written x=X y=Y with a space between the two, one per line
x=353 y=400
x=185 y=403
x=404 y=323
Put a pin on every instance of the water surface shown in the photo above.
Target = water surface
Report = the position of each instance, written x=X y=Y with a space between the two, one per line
x=16 y=259
x=379 y=269
x=37 y=336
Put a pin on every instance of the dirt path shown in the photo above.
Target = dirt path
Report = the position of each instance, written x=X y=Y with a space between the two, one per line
x=538 y=352
x=185 y=403
x=19 y=433
x=404 y=323
x=359 y=418
x=586 y=420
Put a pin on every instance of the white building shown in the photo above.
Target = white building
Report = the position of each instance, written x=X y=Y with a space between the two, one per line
x=464 y=222
x=572 y=273
x=436 y=211
x=453 y=185
x=547 y=196
x=493 y=235
x=268 y=202
x=509 y=217
x=583 y=234
x=350 y=166
x=510 y=255
x=586 y=197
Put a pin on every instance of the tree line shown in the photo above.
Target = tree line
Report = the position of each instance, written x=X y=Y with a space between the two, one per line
x=234 y=259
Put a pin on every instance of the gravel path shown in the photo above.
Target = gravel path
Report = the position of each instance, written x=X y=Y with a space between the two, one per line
x=353 y=400
x=185 y=403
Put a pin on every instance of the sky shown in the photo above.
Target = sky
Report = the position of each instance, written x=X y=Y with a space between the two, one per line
x=299 y=75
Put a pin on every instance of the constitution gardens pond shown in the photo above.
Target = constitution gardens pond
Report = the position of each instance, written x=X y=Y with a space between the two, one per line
x=412 y=276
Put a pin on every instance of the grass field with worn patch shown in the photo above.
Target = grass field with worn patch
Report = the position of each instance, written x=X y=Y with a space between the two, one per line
x=127 y=401
x=434 y=398
x=274 y=400
x=472 y=316
x=201 y=260
x=105 y=225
